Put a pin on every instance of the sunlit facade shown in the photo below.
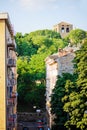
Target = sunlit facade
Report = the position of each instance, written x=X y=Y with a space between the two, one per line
x=8 y=82
x=63 y=28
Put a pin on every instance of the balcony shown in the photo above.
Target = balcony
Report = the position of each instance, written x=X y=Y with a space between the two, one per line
x=11 y=43
x=13 y=75
x=11 y=82
x=10 y=124
x=10 y=102
x=11 y=62
x=13 y=95
x=12 y=118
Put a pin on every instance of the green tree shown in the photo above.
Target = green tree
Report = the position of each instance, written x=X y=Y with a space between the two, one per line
x=46 y=32
x=30 y=90
x=76 y=36
x=56 y=99
x=76 y=101
x=37 y=66
x=32 y=50
x=25 y=82
x=25 y=46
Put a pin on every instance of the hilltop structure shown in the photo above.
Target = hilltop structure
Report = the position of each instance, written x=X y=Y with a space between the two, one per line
x=63 y=28
x=8 y=83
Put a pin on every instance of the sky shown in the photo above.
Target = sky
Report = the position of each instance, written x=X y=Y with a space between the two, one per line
x=30 y=15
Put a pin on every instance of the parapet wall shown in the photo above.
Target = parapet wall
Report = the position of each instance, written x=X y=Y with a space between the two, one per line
x=28 y=117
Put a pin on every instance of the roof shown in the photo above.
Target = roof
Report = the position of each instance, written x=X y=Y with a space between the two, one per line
x=5 y=16
x=53 y=56
x=61 y=53
x=63 y=23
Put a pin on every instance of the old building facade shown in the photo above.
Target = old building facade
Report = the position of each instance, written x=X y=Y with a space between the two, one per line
x=57 y=64
x=8 y=82
x=63 y=28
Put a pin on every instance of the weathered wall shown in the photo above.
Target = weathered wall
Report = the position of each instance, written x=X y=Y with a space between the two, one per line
x=27 y=117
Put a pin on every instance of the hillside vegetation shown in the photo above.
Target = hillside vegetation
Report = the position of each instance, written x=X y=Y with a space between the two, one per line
x=32 y=50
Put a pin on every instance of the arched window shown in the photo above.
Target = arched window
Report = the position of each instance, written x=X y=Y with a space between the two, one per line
x=67 y=29
x=62 y=29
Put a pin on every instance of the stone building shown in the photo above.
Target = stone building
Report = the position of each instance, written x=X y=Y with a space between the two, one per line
x=57 y=64
x=63 y=28
x=8 y=83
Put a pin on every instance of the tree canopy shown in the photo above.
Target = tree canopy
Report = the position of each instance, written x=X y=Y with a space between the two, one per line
x=76 y=102
x=76 y=36
x=56 y=99
x=32 y=50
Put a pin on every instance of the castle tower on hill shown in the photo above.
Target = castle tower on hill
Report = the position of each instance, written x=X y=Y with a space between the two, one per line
x=63 y=28
x=8 y=83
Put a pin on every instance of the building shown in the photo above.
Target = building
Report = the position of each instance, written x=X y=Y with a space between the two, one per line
x=8 y=83
x=57 y=64
x=63 y=28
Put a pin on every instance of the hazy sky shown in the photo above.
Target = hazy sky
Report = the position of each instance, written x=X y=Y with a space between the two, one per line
x=30 y=15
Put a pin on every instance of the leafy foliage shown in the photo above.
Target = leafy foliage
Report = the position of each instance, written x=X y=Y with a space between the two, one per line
x=76 y=36
x=25 y=47
x=32 y=50
x=28 y=89
x=56 y=99
x=76 y=102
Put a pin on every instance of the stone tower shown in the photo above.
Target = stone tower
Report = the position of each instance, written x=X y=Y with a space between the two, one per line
x=63 y=28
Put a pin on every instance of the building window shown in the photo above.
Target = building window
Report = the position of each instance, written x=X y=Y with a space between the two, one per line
x=62 y=30
x=67 y=29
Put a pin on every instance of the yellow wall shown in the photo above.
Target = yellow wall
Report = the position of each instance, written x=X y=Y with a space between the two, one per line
x=2 y=76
